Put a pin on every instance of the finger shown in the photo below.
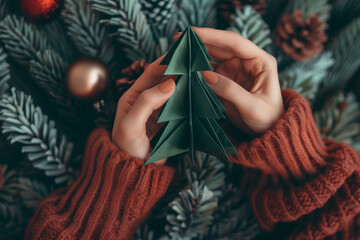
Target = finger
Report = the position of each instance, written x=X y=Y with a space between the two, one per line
x=148 y=101
x=230 y=40
x=231 y=91
x=216 y=53
x=150 y=77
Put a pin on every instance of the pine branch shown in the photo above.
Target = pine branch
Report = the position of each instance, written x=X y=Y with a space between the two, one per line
x=26 y=124
x=144 y=233
x=199 y=13
x=4 y=73
x=32 y=192
x=340 y=119
x=11 y=219
x=30 y=48
x=250 y=24
x=305 y=77
x=207 y=170
x=234 y=218
x=22 y=40
x=133 y=31
x=321 y=8
x=346 y=52
x=342 y=12
x=6 y=7
x=84 y=28
x=56 y=35
x=49 y=72
x=193 y=212
x=10 y=185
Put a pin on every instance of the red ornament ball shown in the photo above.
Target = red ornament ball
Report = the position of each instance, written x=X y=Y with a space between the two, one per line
x=87 y=79
x=41 y=11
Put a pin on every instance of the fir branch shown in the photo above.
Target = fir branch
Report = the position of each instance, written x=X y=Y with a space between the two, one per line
x=234 y=218
x=192 y=212
x=56 y=35
x=10 y=185
x=22 y=40
x=340 y=119
x=49 y=72
x=342 y=12
x=133 y=31
x=305 y=77
x=199 y=13
x=207 y=170
x=143 y=233
x=321 y=8
x=346 y=52
x=250 y=24
x=84 y=28
x=4 y=73
x=11 y=219
x=26 y=124
x=32 y=192
x=30 y=47
x=6 y=7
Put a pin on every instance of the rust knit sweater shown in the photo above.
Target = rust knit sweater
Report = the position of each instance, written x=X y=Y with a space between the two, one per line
x=294 y=178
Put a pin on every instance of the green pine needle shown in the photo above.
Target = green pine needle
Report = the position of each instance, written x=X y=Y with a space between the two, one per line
x=250 y=24
x=26 y=124
x=199 y=13
x=10 y=186
x=4 y=73
x=30 y=47
x=84 y=28
x=11 y=219
x=133 y=31
x=340 y=119
x=206 y=169
x=305 y=77
x=234 y=218
x=32 y=192
x=346 y=52
x=192 y=212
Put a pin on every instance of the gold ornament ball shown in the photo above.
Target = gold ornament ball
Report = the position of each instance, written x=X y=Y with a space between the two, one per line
x=87 y=79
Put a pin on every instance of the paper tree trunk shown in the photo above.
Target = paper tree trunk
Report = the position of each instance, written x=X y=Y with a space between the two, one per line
x=193 y=109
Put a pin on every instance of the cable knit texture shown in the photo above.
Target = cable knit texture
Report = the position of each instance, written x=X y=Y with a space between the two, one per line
x=112 y=196
x=302 y=177
x=307 y=185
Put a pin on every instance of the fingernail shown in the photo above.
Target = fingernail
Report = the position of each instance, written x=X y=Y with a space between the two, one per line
x=166 y=86
x=211 y=77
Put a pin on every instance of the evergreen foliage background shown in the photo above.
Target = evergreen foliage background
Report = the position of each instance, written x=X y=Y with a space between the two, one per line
x=44 y=128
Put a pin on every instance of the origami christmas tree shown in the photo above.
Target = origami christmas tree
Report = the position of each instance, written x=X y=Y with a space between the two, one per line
x=192 y=110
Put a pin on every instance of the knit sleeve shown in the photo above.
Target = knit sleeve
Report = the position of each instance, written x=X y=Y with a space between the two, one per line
x=296 y=175
x=109 y=200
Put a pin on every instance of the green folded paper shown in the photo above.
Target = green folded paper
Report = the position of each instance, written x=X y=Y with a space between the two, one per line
x=192 y=110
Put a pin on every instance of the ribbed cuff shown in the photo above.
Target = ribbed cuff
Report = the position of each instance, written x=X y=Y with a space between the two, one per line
x=109 y=200
x=291 y=149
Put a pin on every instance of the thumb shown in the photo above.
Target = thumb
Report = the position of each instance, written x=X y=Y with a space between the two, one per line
x=148 y=101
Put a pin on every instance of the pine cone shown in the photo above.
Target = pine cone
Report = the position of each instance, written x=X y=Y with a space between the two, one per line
x=130 y=74
x=299 y=38
x=228 y=6
x=158 y=12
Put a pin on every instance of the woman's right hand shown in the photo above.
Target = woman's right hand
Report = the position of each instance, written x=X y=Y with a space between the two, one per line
x=246 y=79
x=151 y=90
